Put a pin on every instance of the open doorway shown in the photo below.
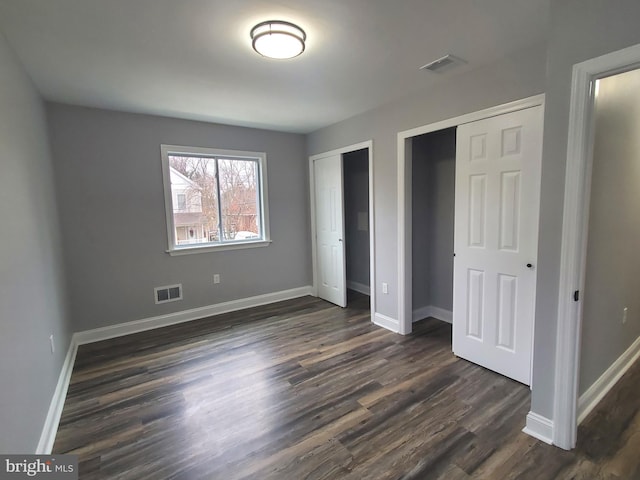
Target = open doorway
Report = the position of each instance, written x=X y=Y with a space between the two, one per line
x=355 y=167
x=611 y=309
x=433 y=200
x=342 y=224
x=598 y=239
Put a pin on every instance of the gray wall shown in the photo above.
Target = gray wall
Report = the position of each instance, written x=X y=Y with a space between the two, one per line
x=356 y=200
x=109 y=179
x=32 y=294
x=580 y=30
x=512 y=78
x=433 y=197
x=613 y=264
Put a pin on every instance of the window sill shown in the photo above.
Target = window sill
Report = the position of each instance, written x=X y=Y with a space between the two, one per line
x=188 y=250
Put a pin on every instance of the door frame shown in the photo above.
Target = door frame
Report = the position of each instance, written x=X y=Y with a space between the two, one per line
x=575 y=222
x=312 y=202
x=405 y=159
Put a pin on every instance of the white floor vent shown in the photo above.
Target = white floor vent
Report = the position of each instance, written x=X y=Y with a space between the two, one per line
x=169 y=293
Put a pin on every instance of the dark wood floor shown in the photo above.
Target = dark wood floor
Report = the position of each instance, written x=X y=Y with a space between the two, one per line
x=305 y=390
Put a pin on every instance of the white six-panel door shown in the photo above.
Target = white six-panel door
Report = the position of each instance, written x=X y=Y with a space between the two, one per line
x=498 y=163
x=329 y=218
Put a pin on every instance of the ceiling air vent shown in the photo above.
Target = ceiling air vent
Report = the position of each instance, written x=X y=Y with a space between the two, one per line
x=442 y=64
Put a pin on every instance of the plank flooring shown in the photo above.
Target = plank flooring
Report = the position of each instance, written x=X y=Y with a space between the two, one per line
x=306 y=390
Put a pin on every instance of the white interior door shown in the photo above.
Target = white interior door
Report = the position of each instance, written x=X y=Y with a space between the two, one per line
x=498 y=162
x=329 y=215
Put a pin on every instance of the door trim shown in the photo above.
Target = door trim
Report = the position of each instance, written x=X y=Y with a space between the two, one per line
x=405 y=272
x=312 y=199
x=575 y=221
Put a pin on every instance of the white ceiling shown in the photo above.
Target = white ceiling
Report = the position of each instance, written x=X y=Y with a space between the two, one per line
x=193 y=58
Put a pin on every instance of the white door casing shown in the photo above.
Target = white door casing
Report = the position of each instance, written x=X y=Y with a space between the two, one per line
x=498 y=164
x=329 y=218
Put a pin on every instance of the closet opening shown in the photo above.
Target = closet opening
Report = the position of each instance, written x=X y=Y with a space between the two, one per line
x=342 y=225
x=355 y=168
x=433 y=173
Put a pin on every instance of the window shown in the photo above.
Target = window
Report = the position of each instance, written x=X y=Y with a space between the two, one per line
x=214 y=199
x=182 y=201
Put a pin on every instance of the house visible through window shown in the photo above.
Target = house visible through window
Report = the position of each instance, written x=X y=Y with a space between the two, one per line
x=214 y=198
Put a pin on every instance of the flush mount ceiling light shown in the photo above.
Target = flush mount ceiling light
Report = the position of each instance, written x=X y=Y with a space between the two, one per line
x=278 y=39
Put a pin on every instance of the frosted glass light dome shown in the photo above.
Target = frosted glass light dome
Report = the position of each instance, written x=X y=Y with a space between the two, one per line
x=278 y=39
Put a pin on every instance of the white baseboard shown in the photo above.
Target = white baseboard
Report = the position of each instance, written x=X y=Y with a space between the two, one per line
x=48 y=435
x=539 y=427
x=359 y=287
x=435 y=312
x=596 y=392
x=386 y=322
x=136 y=326
x=420 y=313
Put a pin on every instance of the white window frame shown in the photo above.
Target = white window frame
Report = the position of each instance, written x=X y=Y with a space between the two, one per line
x=261 y=159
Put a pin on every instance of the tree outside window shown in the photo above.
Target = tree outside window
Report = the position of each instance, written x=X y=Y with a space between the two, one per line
x=215 y=198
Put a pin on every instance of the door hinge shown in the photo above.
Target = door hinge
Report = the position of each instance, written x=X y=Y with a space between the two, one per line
x=576 y=295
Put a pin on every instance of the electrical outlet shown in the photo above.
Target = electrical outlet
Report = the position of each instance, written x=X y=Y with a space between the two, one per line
x=53 y=345
x=216 y=278
x=385 y=288
x=624 y=314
